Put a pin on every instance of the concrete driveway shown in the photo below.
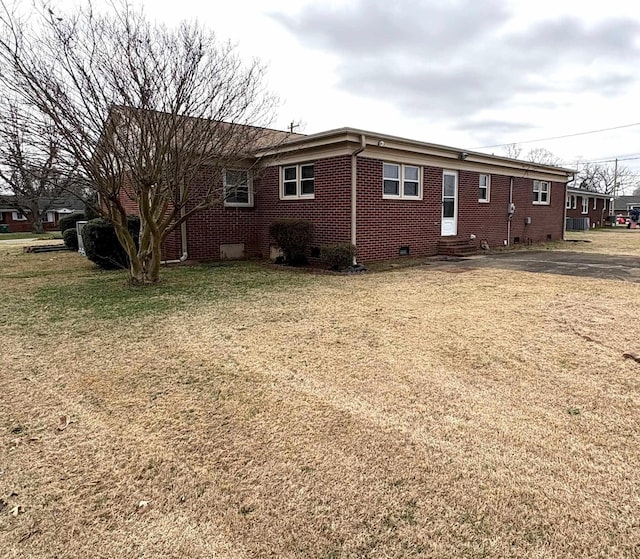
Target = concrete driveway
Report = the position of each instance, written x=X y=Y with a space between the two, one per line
x=602 y=266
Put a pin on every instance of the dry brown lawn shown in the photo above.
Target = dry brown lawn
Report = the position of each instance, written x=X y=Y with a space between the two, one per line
x=617 y=240
x=422 y=412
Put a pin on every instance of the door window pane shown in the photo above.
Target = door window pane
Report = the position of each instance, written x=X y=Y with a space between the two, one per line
x=448 y=208
x=449 y=186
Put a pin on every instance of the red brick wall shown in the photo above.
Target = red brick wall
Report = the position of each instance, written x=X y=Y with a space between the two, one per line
x=547 y=221
x=210 y=228
x=22 y=226
x=596 y=217
x=329 y=211
x=383 y=225
x=386 y=225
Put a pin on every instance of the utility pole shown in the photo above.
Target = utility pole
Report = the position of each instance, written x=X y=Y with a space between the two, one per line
x=615 y=179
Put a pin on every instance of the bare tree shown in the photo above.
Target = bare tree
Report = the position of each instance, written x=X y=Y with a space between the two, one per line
x=144 y=110
x=513 y=151
x=31 y=176
x=541 y=156
x=604 y=178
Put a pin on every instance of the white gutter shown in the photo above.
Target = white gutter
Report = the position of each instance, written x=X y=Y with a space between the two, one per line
x=354 y=185
x=564 y=220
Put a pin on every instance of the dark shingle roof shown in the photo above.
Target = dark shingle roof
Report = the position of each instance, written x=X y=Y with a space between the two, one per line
x=621 y=203
x=7 y=201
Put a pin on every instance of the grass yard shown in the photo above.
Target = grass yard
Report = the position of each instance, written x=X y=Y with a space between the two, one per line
x=235 y=411
x=38 y=236
x=614 y=240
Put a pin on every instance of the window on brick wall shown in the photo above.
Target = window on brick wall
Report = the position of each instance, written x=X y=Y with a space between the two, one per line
x=585 y=205
x=298 y=181
x=237 y=188
x=595 y=203
x=484 y=188
x=401 y=181
x=541 y=192
x=571 y=201
x=49 y=217
x=18 y=216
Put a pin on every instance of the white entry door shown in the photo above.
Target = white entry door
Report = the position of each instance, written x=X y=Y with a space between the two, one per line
x=449 y=204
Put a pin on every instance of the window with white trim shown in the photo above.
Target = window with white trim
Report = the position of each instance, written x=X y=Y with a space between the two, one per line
x=18 y=216
x=571 y=201
x=484 y=187
x=237 y=188
x=595 y=203
x=401 y=181
x=541 y=192
x=49 y=217
x=298 y=181
x=585 y=205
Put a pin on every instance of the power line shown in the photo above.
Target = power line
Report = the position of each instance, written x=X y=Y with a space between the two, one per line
x=604 y=160
x=560 y=137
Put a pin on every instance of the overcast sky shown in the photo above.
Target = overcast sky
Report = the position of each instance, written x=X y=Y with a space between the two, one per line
x=466 y=73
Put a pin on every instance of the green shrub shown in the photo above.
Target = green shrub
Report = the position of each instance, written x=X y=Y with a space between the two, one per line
x=293 y=236
x=90 y=213
x=70 y=237
x=69 y=221
x=338 y=256
x=101 y=244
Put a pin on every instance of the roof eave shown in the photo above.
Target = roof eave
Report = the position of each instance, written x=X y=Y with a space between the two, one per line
x=376 y=139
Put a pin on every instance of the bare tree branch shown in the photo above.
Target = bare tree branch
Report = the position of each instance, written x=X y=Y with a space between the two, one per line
x=142 y=109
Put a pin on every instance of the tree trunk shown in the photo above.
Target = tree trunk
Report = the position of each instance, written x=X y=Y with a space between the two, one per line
x=36 y=226
x=136 y=275
x=152 y=269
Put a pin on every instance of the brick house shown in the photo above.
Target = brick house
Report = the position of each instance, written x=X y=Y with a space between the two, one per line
x=389 y=196
x=590 y=209
x=56 y=208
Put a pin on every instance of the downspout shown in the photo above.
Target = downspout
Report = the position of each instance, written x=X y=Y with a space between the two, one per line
x=183 y=234
x=509 y=213
x=354 y=184
x=564 y=222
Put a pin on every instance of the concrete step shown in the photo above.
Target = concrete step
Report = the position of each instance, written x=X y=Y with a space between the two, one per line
x=454 y=246
x=45 y=248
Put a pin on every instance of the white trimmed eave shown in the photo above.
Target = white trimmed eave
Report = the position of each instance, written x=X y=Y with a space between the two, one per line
x=345 y=141
x=579 y=192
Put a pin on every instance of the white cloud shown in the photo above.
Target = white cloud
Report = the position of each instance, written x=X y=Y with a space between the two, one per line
x=458 y=72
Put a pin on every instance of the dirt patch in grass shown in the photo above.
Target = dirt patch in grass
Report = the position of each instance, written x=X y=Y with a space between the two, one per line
x=411 y=413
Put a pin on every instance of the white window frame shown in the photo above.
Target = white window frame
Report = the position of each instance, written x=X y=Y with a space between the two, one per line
x=247 y=204
x=585 y=204
x=538 y=191
x=18 y=216
x=49 y=217
x=595 y=203
x=486 y=187
x=402 y=180
x=298 y=182
x=571 y=202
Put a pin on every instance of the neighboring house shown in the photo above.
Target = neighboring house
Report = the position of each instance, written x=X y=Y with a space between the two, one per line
x=622 y=205
x=389 y=196
x=586 y=210
x=57 y=208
